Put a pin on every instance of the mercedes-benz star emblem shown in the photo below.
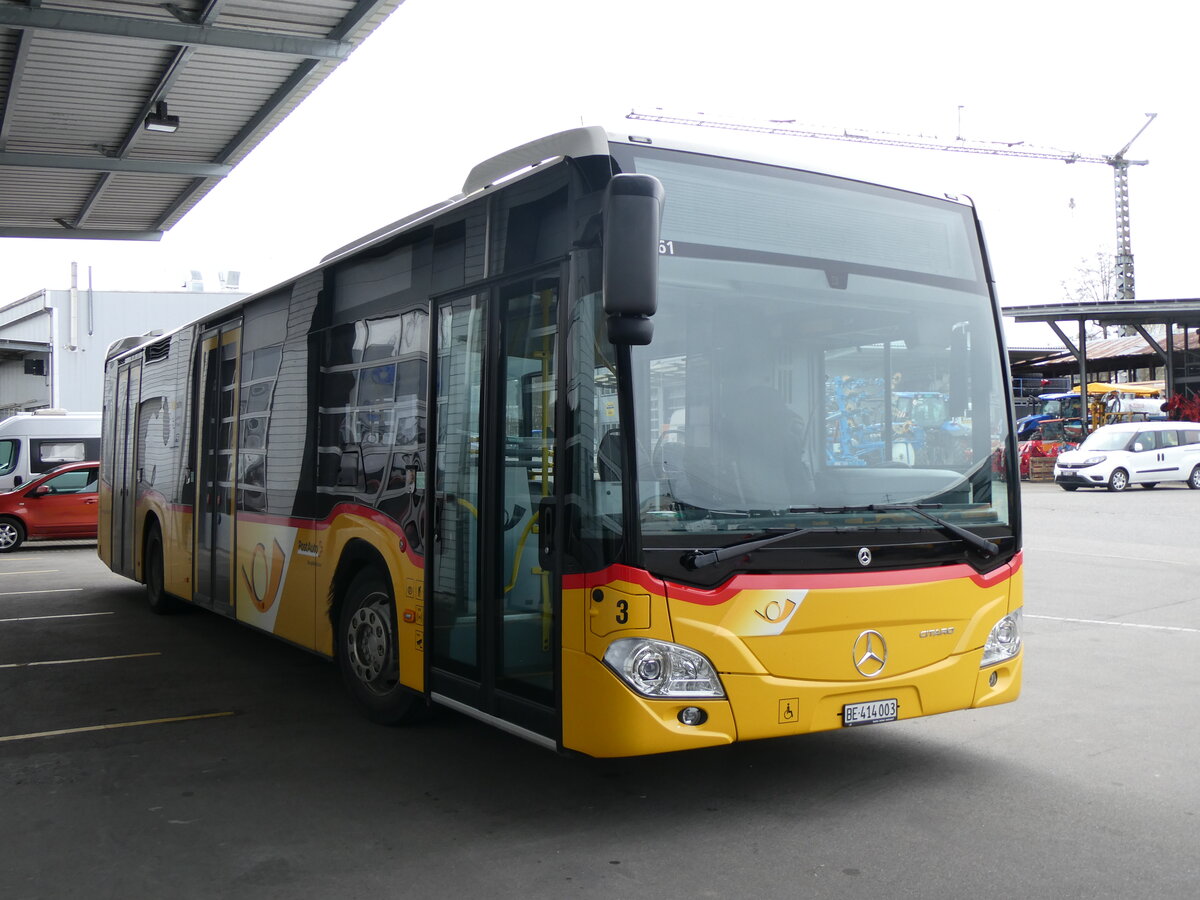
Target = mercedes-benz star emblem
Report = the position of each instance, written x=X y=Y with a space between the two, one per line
x=864 y=555
x=870 y=654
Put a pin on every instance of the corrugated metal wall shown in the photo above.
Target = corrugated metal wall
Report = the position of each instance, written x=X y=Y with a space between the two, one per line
x=105 y=317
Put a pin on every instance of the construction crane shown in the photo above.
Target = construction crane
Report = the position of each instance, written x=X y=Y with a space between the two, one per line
x=1120 y=165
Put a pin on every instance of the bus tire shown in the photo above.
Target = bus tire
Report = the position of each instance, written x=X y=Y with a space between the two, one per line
x=12 y=534
x=1118 y=480
x=154 y=573
x=368 y=652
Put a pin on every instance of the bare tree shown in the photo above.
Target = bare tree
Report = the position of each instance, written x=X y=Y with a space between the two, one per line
x=1095 y=281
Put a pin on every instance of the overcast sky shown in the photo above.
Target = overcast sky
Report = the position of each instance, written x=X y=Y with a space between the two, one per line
x=444 y=84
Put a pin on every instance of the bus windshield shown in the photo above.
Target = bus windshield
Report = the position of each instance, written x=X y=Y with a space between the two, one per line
x=820 y=346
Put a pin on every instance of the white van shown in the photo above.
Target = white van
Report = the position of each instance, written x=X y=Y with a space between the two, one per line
x=1116 y=456
x=33 y=443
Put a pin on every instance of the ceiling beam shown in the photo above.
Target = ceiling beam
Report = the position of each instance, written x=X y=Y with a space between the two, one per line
x=170 y=75
x=1066 y=340
x=14 y=86
x=109 y=164
x=294 y=83
x=172 y=32
x=362 y=10
x=165 y=83
x=1162 y=354
x=81 y=234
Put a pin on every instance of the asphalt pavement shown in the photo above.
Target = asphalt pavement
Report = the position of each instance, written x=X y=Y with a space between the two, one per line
x=186 y=756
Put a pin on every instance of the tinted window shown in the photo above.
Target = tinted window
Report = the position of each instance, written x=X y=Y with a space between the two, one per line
x=1168 y=438
x=382 y=280
x=60 y=451
x=47 y=453
x=372 y=403
x=530 y=222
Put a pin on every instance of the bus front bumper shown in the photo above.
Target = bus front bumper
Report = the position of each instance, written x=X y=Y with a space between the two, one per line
x=604 y=718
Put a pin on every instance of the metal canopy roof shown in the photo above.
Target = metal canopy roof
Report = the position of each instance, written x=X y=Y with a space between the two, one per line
x=1112 y=312
x=1176 y=356
x=76 y=85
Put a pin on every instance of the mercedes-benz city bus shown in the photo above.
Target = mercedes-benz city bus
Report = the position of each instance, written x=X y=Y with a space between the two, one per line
x=614 y=450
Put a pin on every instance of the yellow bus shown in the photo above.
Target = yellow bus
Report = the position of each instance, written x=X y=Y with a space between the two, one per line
x=602 y=451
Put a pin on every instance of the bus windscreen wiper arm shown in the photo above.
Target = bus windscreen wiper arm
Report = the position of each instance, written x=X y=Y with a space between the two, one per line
x=698 y=559
x=981 y=544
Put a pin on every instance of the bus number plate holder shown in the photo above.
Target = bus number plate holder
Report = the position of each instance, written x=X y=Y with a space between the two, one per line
x=869 y=713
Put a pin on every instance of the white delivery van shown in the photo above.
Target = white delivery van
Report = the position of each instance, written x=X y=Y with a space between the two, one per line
x=33 y=443
x=1146 y=453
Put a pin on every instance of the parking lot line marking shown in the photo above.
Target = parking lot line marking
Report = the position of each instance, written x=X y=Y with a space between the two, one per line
x=1168 y=562
x=41 y=734
x=51 y=591
x=63 y=616
x=30 y=572
x=1121 y=624
x=67 y=662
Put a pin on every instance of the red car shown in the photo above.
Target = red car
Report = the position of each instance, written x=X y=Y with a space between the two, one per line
x=59 y=504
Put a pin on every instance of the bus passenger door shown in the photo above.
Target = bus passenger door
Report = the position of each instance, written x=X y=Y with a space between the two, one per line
x=124 y=487
x=215 y=469
x=494 y=620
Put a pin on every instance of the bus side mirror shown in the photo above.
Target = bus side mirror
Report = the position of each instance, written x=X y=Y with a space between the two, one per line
x=632 y=216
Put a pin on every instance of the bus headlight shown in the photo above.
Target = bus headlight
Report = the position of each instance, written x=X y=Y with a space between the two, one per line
x=659 y=669
x=1004 y=642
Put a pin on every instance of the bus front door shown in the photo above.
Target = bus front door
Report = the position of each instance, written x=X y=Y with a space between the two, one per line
x=494 y=610
x=216 y=451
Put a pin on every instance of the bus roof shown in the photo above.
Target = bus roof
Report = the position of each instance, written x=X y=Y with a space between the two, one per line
x=523 y=160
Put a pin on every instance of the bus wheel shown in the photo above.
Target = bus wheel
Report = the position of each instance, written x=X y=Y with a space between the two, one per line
x=153 y=570
x=1118 y=480
x=12 y=535
x=367 y=652
x=1194 y=479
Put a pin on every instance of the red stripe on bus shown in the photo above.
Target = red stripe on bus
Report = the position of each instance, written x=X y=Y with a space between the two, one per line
x=616 y=572
x=341 y=509
x=824 y=581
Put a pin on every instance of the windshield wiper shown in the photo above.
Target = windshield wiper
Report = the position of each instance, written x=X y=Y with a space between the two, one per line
x=698 y=559
x=983 y=545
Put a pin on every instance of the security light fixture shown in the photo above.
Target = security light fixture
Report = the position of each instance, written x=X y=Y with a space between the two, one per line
x=160 y=121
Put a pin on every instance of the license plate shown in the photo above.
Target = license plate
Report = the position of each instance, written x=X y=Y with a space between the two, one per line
x=870 y=712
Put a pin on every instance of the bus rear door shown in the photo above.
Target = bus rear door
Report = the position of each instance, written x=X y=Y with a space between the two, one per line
x=215 y=466
x=124 y=488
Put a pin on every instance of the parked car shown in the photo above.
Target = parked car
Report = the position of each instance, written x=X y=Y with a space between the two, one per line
x=1146 y=453
x=59 y=504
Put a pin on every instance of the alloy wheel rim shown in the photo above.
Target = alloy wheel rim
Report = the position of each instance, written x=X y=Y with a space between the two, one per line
x=368 y=645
